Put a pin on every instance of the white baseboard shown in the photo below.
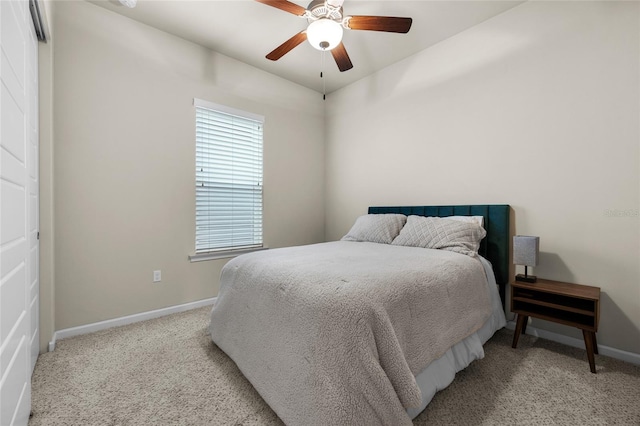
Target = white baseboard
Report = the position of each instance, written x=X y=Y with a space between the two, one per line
x=630 y=357
x=129 y=319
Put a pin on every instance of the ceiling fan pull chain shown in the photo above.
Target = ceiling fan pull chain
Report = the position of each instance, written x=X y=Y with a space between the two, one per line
x=324 y=95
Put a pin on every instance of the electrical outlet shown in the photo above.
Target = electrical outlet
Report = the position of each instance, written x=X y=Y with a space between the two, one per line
x=157 y=276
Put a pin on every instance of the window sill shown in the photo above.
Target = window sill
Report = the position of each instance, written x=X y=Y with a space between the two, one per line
x=223 y=254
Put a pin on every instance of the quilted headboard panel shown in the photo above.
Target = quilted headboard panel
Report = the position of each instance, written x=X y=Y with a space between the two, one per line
x=494 y=247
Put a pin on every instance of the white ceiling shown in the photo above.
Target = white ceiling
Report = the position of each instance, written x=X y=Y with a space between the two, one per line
x=247 y=30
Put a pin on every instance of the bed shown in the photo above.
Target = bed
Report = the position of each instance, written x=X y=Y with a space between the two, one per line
x=359 y=331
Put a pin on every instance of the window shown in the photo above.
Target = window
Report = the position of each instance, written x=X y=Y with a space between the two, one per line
x=228 y=179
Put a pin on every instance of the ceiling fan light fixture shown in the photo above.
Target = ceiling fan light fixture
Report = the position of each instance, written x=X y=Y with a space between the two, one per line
x=324 y=34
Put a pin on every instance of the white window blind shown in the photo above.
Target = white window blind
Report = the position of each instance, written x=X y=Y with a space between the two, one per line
x=228 y=178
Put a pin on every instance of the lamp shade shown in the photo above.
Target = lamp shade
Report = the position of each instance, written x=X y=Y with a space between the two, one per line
x=525 y=250
x=324 y=34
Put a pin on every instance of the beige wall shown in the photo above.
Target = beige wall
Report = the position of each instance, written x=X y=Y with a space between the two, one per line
x=537 y=108
x=123 y=157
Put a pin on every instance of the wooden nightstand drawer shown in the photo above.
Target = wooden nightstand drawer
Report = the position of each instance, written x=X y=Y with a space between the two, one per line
x=567 y=310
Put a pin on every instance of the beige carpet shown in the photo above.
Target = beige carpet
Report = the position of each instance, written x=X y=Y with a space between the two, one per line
x=168 y=372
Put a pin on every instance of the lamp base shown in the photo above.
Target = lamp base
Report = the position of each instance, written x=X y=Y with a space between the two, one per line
x=526 y=278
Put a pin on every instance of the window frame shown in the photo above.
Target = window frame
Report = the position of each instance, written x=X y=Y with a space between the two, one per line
x=231 y=251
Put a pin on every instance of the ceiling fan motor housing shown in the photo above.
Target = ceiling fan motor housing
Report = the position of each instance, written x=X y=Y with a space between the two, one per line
x=325 y=25
x=319 y=9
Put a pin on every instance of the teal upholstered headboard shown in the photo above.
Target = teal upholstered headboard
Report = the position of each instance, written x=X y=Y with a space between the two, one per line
x=494 y=247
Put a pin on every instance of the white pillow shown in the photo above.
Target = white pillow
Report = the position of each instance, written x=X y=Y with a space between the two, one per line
x=376 y=228
x=477 y=219
x=441 y=233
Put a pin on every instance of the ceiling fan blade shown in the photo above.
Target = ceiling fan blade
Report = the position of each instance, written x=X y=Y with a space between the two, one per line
x=287 y=46
x=342 y=58
x=285 y=5
x=389 y=24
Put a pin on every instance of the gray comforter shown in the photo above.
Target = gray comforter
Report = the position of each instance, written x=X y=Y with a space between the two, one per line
x=334 y=333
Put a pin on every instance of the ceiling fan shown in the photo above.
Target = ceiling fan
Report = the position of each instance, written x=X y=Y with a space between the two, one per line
x=326 y=23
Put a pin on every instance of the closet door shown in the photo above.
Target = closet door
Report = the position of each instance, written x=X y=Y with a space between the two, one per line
x=33 y=185
x=18 y=210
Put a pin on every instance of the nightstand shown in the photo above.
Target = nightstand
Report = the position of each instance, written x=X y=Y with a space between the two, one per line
x=575 y=305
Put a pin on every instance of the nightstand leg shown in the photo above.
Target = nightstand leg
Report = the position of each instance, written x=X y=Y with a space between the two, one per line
x=595 y=343
x=589 y=338
x=522 y=321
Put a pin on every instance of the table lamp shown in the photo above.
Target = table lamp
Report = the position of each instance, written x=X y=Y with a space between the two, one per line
x=525 y=252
